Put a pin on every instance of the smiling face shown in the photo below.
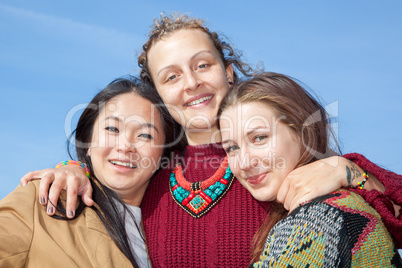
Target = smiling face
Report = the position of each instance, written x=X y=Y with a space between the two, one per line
x=261 y=150
x=191 y=78
x=126 y=145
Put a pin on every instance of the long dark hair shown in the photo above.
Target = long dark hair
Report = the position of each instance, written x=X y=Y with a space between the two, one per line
x=107 y=202
x=298 y=110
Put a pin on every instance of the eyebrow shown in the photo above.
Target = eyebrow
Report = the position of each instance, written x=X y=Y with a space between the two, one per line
x=114 y=117
x=256 y=128
x=225 y=141
x=149 y=125
x=200 y=53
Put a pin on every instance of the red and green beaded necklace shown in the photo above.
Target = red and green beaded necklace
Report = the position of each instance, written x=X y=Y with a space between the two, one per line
x=199 y=197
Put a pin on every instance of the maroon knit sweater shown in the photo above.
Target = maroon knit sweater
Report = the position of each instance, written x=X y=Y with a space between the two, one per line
x=381 y=202
x=220 y=238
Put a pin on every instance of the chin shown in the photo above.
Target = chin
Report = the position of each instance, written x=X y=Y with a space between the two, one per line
x=259 y=197
x=263 y=197
x=209 y=123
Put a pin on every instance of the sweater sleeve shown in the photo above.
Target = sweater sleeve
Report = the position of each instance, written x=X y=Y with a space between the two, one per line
x=336 y=230
x=382 y=201
x=16 y=225
x=312 y=235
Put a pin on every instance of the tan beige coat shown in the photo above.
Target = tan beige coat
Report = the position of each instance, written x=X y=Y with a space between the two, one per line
x=30 y=238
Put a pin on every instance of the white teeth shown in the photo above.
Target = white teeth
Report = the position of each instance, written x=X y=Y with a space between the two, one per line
x=201 y=100
x=125 y=164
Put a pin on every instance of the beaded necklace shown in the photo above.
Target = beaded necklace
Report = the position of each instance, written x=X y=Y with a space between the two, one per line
x=199 y=197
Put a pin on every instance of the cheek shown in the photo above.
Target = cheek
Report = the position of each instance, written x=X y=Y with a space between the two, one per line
x=168 y=95
x=101 y=140
x=262 y=158
x=234 y=166
x=175 y=112
x=223 y=87
x=288 y=158
x=97 y=157
x=150 y=158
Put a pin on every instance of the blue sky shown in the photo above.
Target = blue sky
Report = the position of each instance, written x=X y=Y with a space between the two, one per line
x=55 y=55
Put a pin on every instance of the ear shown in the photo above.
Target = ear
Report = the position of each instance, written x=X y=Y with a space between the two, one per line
x=89 y=152
x=229 y=74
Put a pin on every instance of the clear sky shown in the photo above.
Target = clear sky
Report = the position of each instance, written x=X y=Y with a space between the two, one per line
x=55 y=55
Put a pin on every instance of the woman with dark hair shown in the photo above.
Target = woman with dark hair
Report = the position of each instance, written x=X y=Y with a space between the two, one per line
x=270 y=125
x=196 y=214
x=120 y=136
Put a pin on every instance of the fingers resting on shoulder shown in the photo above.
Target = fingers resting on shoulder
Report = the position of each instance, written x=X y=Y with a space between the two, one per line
x=310 y=181
x=70 y=178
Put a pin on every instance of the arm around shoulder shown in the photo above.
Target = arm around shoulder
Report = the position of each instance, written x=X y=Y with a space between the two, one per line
x=390 y=180
x=387 y=202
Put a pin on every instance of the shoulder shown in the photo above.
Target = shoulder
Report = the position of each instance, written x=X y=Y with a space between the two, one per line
x=322 y=215
x=343 y=201
x=23 y=195
x=334 y=227
x=17 y=216
x=313 y=229
x=317 y=226
x=338 y=212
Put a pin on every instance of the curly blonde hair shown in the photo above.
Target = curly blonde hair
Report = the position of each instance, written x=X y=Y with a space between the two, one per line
x=168 y=24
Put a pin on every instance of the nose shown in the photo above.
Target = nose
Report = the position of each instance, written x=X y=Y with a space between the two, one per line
x=246 y=160
x=125 y=146
x=191 y=81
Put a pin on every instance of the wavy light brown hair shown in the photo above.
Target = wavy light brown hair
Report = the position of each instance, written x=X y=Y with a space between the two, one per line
x=297 y=109
x=168 y=24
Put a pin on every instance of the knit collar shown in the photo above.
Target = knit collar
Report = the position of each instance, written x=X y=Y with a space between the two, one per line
x=211 y=149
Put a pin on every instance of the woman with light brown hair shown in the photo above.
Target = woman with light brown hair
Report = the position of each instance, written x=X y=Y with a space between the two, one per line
x=270 y=125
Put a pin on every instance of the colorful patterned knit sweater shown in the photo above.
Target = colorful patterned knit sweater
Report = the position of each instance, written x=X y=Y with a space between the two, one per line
x=220 y=238
x=335 y=230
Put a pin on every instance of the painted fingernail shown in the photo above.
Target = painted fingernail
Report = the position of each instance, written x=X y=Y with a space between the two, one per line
x=42 y=200
x=71 y=213
x=50 y=210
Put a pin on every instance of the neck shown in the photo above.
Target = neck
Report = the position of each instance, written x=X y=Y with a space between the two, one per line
x=133 y=198
x=195 y=137
x=132 y=201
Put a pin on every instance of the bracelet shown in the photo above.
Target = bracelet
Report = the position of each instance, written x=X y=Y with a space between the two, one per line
x=75 y=163
x=360 y=184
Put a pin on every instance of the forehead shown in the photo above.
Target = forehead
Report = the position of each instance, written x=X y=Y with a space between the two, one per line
x=183 y=38
x=179 y=45
x=131 y=106
x=248 y=115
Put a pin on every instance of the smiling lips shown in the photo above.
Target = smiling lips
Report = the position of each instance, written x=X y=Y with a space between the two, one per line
x=198 y=100
x=122 y=163
x=255 y=180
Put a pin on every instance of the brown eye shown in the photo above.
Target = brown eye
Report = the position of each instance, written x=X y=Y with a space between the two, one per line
x=202 y=66
x=232 y=149
x=146 y=136
x=259 y=138
x=112 y=129
x=172 y=77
